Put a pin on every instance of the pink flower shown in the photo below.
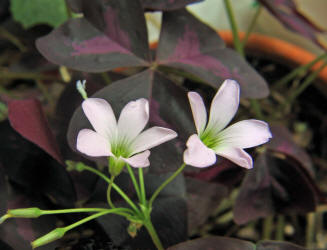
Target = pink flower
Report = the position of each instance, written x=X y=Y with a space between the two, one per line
x=123 y=141
x=213 y=138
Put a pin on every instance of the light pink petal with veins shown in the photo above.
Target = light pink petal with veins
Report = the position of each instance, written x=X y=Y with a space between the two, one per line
x=224 y=105
x=198 y=110
x=152 y=137
x=236 y=155
x=197 y=154
x=92 y=144
x=133 y=118
x=99 y=113
x=245 y=134
x=140 y=160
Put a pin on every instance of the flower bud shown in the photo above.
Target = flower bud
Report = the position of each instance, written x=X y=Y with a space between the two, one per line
x=31 y=212
x=55 y=234
x=80 y=86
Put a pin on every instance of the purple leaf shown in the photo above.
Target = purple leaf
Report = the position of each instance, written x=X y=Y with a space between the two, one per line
x=187 y=44
x=28 y=119
x=101 y=41
x=214 y=243
x=18 y=233
x=286 y=12
x=202 y=199
x=276 y=245
x=282 y=142
x=33 y=169
x=167 y=4
x=168 y=107
x=274 y=186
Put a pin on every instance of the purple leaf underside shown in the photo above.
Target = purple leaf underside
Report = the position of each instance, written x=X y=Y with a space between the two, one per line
x=28 y=119
x=192 y=46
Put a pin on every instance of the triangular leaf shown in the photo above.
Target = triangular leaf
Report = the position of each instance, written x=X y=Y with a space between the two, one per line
x=186 y=43
x=274 y=186
x=101 y=41
x=28 y=119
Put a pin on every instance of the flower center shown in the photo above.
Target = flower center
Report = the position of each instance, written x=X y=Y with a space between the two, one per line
x=121 y=147
x=210 y=138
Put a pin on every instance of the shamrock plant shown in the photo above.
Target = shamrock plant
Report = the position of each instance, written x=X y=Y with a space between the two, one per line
x=126 y=146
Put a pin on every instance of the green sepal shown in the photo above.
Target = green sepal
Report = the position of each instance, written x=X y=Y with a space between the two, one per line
x=115 y=166
x=55 y=234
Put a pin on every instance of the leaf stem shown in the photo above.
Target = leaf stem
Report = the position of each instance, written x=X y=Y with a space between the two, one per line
x=310 y=230
x=267 y=227
x=297 y=71
x=237 y=43
x=306 y=83
x=251 y=26
x=280 y=227
x=165 y=183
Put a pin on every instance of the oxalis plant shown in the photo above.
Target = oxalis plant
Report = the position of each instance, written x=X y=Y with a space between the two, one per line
x=126 y=146
x=111 y=35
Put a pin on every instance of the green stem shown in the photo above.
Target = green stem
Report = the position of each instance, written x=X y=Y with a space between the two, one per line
x=45 y=92
x=118 y=190
x=112 y=178
x=74 y=210
x=136 y=186
x=94 y=216
x=310 y=230
x=237 y=43
x=106 y=78
x=280 y=227
x=13 y=39
x=154 y=236
x=251 y=26
x=299 y=70
x=165 y=183
x=141 y=181
x=255 y=106
x=306 y=83
x=267 y=227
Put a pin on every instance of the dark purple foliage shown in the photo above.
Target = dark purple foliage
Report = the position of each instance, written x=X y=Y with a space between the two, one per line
x=286 y=12
x=28 y=119
x=108 y=38
x=224 y=243
x=167 y=4
x=274 y=186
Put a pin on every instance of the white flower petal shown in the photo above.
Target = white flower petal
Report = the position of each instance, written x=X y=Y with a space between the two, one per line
x=99 y=113
x=245 y=134
x=133 y=118
x=92 y=143
x=224 y=105
x=236 y=155
x=140 y=160
x=197 y=154
x=198 y=110
x=152 y=137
